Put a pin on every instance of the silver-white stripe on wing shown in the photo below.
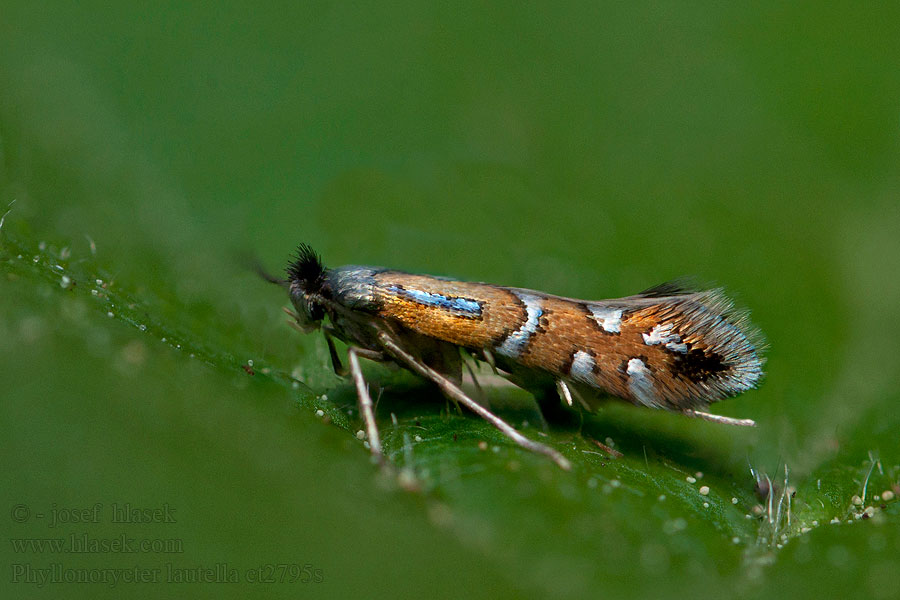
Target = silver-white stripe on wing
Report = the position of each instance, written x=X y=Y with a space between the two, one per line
x=640 y=383
x=514 y=345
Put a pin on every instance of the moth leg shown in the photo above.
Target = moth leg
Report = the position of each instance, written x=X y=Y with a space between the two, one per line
x=481 y=395
x=335 y=359
x=366 y=408
x=450 y=389
x=371 y=354
x=564 y=391
x=719 y=418
x=489 y=358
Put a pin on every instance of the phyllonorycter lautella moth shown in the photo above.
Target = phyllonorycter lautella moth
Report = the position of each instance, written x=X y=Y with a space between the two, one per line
x=669 y=347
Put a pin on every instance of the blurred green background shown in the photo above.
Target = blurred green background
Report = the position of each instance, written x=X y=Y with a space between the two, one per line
x=585 y=149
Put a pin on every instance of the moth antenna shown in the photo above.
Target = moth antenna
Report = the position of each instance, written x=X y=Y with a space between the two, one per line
x=261 y=271
x=251 y=262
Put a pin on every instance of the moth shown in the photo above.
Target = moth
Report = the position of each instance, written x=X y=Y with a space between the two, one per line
x=669 y=347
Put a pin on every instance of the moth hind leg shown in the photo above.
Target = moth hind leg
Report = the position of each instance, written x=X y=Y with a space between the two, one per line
x=697 y=414
x=451 y=389
x=556 y=399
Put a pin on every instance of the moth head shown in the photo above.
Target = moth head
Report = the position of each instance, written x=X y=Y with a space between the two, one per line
x=305 y=279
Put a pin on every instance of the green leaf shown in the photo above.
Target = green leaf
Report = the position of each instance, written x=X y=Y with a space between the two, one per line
x=160 y=418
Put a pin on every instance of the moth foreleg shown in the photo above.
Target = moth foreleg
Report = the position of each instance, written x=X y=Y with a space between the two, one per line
x=336 y=361
x=451 y=390
x=366 y=407
x=719 y=418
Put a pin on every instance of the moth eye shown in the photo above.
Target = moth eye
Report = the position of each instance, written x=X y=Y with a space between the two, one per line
x=316 y=312
x=308 y=311
x=301 y=305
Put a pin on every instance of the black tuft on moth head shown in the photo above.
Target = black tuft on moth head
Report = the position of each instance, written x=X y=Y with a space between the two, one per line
x=306 y=271
x=306 y=282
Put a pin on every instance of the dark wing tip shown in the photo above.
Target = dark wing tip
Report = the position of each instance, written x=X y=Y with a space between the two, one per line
x=727 y=333
x=306 y=269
